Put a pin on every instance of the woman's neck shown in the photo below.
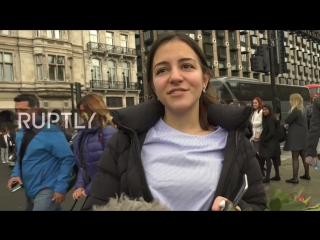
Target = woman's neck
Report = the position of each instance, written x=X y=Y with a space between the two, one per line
x=187 y=122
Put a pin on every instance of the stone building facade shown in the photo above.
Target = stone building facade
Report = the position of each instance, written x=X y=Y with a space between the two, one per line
x=228 y=52
x=45 y=62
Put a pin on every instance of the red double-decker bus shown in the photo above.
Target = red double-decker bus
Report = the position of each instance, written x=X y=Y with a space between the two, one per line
x=314 y=90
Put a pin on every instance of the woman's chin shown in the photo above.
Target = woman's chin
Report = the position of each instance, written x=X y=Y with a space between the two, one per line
x=180 y=107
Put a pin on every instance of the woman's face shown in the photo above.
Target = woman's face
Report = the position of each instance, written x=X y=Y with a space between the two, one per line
x=266 y=111
x=255 y=104
x=178 y=80
x=83 y=113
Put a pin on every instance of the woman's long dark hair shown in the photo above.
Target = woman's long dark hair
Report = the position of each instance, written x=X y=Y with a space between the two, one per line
x=207 y=98
x=271 y=115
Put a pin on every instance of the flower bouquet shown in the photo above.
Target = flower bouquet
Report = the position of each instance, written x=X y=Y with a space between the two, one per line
x=281 y=201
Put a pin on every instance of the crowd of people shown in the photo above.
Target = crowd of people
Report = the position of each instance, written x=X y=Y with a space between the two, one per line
x=267 y=134
x=183 y=148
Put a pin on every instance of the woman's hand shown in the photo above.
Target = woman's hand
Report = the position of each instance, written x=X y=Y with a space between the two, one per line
x=83 y=194
x=219 y=205
x=77 y=193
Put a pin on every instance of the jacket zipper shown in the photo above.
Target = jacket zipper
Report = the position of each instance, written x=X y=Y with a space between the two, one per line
x=144 y=178
x=140 y=161
x=234 y=156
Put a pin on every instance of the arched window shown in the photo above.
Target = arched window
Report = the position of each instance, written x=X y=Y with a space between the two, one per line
x=126 y=74
x=112 y=71
x=96 y=66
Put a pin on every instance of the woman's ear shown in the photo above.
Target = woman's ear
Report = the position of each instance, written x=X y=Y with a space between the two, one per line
x=206 y=79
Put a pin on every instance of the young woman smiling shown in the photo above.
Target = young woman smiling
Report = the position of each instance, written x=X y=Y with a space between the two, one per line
x=183 y=148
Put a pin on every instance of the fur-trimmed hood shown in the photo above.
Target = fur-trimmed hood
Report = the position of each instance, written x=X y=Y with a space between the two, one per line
x=123 y=203
x=142 y=117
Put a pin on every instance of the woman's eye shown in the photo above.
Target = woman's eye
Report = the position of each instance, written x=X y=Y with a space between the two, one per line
x=187 y=66
x=160 y=71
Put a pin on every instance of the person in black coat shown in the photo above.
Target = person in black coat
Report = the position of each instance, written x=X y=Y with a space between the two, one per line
x=314 y=131
x=269 y=143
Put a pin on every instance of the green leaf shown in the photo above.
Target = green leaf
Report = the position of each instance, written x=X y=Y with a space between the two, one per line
x=293 y=206
x=284 y=197
x=314 y=207
x=276 y=193
x=275 y=204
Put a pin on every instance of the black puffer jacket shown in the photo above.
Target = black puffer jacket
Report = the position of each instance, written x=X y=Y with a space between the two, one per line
x=120 y=168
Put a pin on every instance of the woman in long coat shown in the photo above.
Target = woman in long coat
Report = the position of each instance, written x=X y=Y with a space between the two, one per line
x=269 y=143
x=297 y=136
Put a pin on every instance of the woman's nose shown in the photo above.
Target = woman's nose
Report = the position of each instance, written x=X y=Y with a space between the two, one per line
x=175 y=75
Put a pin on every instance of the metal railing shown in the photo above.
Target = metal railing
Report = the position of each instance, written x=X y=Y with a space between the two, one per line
x=111 y=48
x=104 y=84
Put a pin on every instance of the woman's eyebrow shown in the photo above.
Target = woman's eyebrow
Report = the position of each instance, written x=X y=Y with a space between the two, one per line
x=180 y=60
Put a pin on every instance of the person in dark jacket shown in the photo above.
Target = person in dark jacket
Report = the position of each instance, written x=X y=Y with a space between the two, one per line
x=4 y=144
x=297 y=137
x=242 y=104
x=90 y=142
x=309 y=111
x=314 y=131
x=249 y=131
x=269 y=143
x=185 y=149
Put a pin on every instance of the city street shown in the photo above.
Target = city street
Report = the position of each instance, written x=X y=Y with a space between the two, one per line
x=16 y=201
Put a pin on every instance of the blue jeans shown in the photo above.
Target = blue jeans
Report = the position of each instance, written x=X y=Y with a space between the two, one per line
x=43 y=201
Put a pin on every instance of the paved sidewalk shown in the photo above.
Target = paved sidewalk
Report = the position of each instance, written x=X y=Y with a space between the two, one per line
x=311 y=188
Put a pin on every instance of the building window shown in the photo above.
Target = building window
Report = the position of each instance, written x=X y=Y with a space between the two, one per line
x=114 y=102
x=94 y=36
x=256 y=76
x=266 y=78
x=126 y=74
x=129 y=101
x=39 y=62
x=137 y=39
x=109 y=38
x=223 y=73
x=147 y=35
x=243 y=38
x=112 y=71
x=160 y=32
x=53 y=34
x=5 y=32
x=235 y=74
x=124 y=43
x=6 y=69
x=38 y=33
x=96 y=65
x=56 y=68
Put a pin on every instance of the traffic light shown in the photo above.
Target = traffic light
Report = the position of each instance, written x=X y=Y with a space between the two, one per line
x=263 y=51
x=281 y=66
x=257 y=64
x=261 y=61
x=78 y=91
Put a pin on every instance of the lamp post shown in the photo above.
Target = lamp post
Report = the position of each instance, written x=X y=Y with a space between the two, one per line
x=124 y=81
x=92 y=83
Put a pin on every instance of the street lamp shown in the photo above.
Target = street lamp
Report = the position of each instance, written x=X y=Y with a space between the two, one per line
x=124 y=81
